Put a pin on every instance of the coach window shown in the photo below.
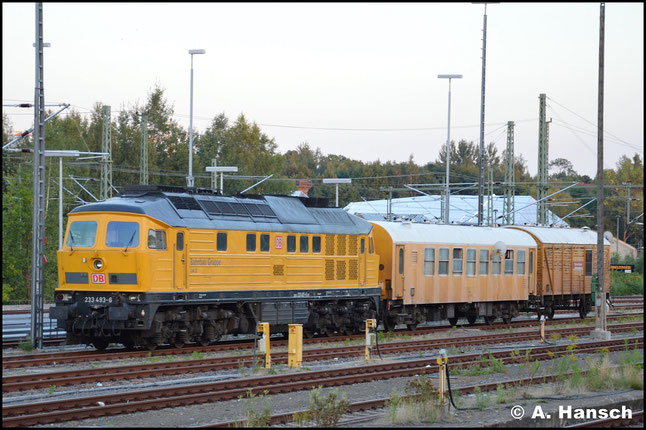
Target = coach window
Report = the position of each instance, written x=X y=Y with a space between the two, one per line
x=316 y=244
x=509 y=262
x=484 y=262
x=251 y=242
x=443 y=263
x=471 y=262
x=264 y=243
x=520 y=262
x=122 y=234
x=457 y=261
x=291 y=243
x=180 y=241
x=82 y=234
x=429 y=261
x=156 y=239
x=531 y=263
x=222 y=242
x=305 y=244
x=495 y=263
x=401 y=260
x=588 y=262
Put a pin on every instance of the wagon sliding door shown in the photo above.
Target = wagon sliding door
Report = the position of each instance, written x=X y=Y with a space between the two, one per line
x=180 y=261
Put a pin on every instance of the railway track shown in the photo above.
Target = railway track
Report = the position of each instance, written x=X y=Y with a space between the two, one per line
x=45 y=359
x=61 y=410
x=638 y=417
x=116 y=373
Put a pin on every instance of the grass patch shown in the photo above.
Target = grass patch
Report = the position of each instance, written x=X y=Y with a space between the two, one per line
x=323 y=411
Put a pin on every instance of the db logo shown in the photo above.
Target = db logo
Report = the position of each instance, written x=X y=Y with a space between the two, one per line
x=279 y=242
x=98 y=278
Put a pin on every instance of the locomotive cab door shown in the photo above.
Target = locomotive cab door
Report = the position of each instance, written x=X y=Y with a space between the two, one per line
x=180 y=261
x=400 y=276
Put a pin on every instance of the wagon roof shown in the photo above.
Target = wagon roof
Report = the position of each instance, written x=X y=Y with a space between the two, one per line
x=406 y=232
x=573 y=236
x=254 y=213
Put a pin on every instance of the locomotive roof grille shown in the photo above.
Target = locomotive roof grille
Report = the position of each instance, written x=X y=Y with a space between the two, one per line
x=193 y=208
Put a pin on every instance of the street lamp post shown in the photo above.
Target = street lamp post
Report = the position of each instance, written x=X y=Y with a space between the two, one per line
x=448 y=148
x=337 y=181
x=189 y=178
x=222 y=169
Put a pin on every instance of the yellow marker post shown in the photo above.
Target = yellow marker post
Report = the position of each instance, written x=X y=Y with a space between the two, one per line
x=371 y=337
x=442 y=361
x=295 y=345
x=543 y=328
x=263 y=343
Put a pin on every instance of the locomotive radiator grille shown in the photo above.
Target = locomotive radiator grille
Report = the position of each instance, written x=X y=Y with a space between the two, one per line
x=329 y=270
x=279 y=270
x=352 y=245
x=340 y=270
x=329 y=244
x=340 y=244
x=353 y=270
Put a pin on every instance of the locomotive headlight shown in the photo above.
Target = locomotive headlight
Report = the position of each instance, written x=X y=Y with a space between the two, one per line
x=64 y=297
x=98 y=264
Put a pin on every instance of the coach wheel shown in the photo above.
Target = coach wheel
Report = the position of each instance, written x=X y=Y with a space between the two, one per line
x=411 y=327
x=308 y=333
x=389 y=325
x=583 y=311
x=489 y=319
x=204 y=341
x=471 y=319
x=453 y=321
x=506 y=320
x=100 y=344
x=549 y=312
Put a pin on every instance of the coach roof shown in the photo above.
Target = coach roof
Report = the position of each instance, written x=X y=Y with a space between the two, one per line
x=441 y=234
x=253 y=213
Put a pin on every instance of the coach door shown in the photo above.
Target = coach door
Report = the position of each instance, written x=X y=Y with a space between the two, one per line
x=400 y=277
x=180 y=261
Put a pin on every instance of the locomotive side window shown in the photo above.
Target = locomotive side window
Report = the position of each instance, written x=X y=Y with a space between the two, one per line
x=264 y=243
x=122 y=234
x=251 y=242
x=484 y=262
x=520 y=262
x=457 y=261
x=429 y=261
x=471 y=262
x=316 y=244
x=372 y=247
x=305 y=242
x=363 y=245
x=291 y=243
x=180 y=241
x=222 y=242
x=509 y=262
x=82 y=234
x=495 y=264
x=443 y=266
x=588 y=262
x=156 y=239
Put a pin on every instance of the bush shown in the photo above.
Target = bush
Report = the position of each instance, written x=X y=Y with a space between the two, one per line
x=625 y=284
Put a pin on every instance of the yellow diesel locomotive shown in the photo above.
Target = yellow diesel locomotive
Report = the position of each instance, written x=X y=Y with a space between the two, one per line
x=157 y=265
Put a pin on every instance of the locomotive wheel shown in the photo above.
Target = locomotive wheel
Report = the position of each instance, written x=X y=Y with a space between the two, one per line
x=128 y=344
x=151 y=346
x=489 y=319
x=472 y=319
x=506 y=320
x=411 y=327
x=100 y=344
x=453 y=321
x=308 y=333
x=549 y=312
x=204 y=342
x=177 y=343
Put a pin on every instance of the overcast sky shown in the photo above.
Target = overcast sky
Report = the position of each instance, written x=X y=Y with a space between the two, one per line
x=348 y=66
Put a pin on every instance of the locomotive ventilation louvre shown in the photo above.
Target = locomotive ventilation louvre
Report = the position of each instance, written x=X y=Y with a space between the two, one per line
x=353 y=270
x=340 y=270
x=279 y=270
x=329 y=270
x=340 y=244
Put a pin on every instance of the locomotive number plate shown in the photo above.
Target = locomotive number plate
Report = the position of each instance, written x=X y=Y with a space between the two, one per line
x=92 y=299
x=98 y=278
